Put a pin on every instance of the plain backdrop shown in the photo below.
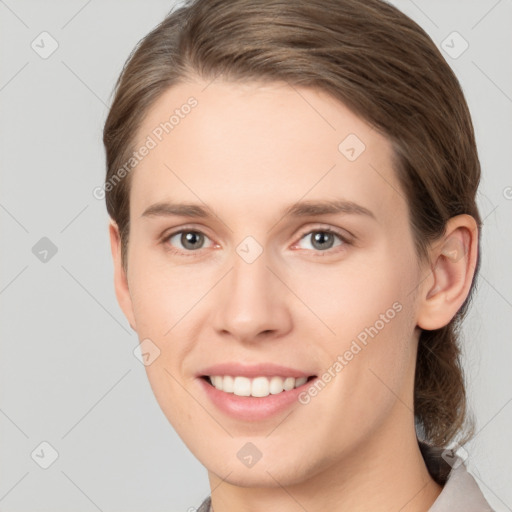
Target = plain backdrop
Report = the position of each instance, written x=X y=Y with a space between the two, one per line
x=68 y=375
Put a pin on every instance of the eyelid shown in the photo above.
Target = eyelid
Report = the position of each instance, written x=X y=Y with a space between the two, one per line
x=164 y=239
x=346 y=237
x=346 y=240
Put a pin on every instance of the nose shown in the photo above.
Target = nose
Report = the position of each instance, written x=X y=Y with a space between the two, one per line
x=252 y=302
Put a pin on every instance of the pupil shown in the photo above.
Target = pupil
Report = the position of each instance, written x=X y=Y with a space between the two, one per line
x=190 y=238
x=320 y=237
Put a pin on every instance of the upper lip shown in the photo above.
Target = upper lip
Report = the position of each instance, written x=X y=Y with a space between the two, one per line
x=253 y=370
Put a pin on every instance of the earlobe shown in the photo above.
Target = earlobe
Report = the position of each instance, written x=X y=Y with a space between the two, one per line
x=453 y=265
x=120 y=278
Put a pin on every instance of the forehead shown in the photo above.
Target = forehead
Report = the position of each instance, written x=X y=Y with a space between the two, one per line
x=243 y=146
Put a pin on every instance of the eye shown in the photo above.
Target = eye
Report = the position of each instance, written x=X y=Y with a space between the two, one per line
x=323 y=240
x=190 y=240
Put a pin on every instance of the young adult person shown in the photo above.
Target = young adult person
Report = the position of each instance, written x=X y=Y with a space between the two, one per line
x=294 y=229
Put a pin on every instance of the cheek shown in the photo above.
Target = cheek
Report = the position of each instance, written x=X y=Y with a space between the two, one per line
x=372 y=379
x=164 y=295
x=352 y=295
x=371 y=353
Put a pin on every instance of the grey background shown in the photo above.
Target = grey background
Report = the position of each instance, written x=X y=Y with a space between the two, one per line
x=68 y=373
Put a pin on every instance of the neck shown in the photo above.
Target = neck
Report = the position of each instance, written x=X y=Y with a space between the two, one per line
x=385 y=473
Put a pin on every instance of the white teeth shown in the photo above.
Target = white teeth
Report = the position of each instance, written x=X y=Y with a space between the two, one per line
x=289 y=383
x=259 y=386
x=241 y=386
x=300 y=381
x=217 y=382
x=228 y=384
x=276 y=385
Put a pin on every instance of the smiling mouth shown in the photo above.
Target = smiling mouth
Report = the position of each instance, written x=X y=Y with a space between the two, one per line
x=257 y=386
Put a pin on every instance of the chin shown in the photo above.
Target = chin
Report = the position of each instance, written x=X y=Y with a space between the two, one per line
x=258 y=477
x=269 y=472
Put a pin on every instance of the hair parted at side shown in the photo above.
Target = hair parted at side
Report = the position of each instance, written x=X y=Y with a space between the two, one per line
x=380 y=64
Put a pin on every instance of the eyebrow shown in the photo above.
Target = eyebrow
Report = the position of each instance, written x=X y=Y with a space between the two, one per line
x=300 y=209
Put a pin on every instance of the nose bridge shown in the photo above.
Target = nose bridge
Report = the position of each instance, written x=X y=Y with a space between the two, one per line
x=250 y=279
x=253 y=299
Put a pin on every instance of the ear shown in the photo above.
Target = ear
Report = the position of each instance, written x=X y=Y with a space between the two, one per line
x=120 y=278
x=453 y=261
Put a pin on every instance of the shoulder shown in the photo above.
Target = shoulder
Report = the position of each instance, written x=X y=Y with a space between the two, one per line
x=460 y=489
x=461 y=492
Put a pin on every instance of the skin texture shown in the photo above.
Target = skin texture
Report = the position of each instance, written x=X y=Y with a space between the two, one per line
x=248 y=151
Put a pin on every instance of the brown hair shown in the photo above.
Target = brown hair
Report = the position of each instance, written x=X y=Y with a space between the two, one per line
x=381 y=65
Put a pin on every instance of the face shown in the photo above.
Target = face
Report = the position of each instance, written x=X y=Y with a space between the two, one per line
x=294 y=262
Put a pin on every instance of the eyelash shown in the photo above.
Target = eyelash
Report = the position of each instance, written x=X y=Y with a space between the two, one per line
x=346 y=241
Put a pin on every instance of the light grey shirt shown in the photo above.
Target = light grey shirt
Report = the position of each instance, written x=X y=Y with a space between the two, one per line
x=460 y=494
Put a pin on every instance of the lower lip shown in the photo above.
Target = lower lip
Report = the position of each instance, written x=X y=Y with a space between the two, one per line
x=253 y=408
